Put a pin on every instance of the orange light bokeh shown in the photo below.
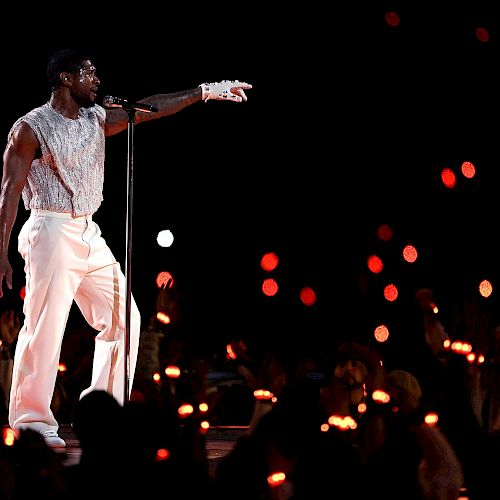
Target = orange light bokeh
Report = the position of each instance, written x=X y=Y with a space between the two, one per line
x=308 y=296
x=391 y=292
x=375 y=264
x=269 y=287
x=410 y=253
x=448 y=178
x=269 y=261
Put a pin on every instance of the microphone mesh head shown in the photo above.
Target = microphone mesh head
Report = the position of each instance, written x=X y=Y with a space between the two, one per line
x=108 y=101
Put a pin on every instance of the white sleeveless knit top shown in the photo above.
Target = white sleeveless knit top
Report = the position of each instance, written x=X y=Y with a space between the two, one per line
x=69 y=176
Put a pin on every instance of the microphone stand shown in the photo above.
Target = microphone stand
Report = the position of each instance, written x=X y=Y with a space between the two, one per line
x=130 y=108
x=128 y=256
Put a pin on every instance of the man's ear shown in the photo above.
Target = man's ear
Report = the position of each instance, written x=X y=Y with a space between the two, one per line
x=66 y=78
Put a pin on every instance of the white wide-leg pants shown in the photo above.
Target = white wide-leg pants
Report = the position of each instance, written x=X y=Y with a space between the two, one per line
x=67 y=259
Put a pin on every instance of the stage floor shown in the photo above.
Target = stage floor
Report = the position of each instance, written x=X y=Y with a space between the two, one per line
x=220 y=441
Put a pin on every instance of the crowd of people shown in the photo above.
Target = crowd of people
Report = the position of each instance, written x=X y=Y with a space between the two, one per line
x=347 y=424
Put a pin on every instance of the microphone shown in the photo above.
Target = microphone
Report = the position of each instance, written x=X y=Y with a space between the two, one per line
x=109 y=101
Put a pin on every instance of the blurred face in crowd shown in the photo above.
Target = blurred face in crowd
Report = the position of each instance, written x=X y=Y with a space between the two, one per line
x=352 y=374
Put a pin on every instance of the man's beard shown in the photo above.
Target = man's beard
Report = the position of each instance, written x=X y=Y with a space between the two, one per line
x=88 y=104
x=350 y=382
x=84 y=101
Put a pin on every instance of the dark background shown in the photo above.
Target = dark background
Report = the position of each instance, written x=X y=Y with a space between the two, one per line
x=348 y=126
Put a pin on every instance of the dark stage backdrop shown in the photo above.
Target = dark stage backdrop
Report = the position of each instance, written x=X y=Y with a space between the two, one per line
x=348 y=126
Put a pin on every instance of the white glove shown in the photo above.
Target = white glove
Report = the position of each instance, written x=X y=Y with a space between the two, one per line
x=230 y=90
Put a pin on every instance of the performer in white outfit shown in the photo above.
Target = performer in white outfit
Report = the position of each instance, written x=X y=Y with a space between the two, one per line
x=54 y=159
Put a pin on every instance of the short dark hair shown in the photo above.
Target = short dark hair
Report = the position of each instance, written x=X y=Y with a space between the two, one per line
x=69 y=60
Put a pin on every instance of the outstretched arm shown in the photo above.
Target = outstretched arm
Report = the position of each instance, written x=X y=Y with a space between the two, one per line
x=169 y=104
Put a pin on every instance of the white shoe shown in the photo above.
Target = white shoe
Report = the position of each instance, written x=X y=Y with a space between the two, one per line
x=53 y=440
